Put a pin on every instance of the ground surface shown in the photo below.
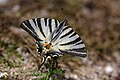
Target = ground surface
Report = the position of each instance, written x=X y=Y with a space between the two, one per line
x=96 y=21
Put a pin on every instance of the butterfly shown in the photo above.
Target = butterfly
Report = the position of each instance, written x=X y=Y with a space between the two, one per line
x=54 y=38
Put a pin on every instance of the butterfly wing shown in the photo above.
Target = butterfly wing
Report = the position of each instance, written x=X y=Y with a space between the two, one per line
x=69 y=42
x=55 y=35
x=64 y=39
x=40 y=28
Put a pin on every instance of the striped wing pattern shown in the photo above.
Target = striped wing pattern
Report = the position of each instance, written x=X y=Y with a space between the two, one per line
x=71 y=43
x=63 y=38
x=40 y=28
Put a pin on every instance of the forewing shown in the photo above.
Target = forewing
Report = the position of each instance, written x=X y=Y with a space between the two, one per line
x=40 y=28
x=70 y=43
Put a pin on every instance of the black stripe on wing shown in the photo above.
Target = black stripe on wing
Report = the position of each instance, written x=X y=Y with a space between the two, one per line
x=65 y=28
x=79 y=43
x=83 y=50
x=27 y=23
x=82 y=53
x=58 y=31
x=56 y=23
x=39 y=25
x=50 y=25
x=73 y=34
x=67 y=34
x=27 y=27
x=34 y=22
x=71 y=42
x=45 y=19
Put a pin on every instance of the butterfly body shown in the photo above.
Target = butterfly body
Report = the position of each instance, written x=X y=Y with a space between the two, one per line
x=54 y=38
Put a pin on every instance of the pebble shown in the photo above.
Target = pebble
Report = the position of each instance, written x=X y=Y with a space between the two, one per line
x=108 y=69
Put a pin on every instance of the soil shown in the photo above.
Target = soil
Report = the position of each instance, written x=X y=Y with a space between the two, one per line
x=96 y=21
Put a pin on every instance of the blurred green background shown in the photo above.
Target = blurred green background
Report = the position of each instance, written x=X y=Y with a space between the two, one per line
x=96 y=21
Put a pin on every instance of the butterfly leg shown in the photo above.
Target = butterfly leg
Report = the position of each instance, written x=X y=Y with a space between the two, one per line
x=43 y=61
x=54 y=61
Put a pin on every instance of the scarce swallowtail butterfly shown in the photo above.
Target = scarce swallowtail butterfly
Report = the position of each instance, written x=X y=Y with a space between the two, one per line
x=54 y=38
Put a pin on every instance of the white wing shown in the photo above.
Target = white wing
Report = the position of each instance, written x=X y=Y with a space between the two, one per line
x=40 y=28
x=63 y=38
x=69 y=42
